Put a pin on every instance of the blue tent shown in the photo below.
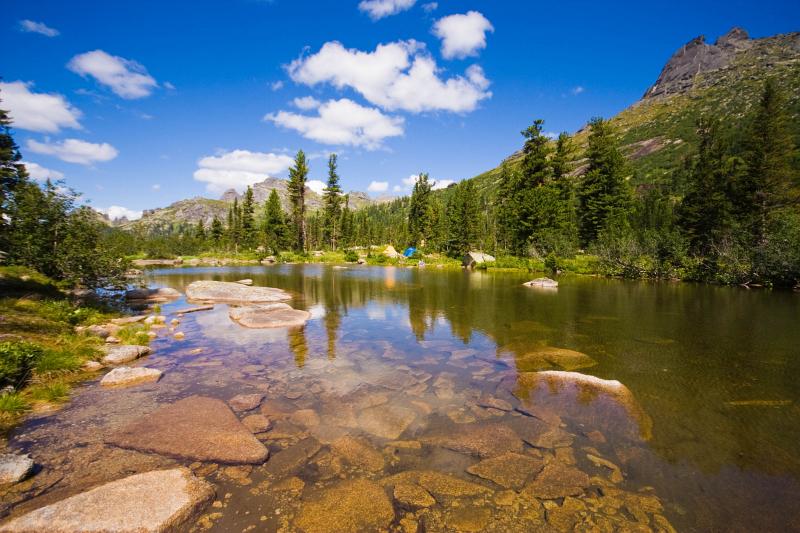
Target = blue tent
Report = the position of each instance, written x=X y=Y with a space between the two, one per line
x=409 y=251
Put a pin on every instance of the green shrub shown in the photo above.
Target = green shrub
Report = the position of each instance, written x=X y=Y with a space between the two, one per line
x=12 y=403
x=351 y=256
x=17 y=359
x=49 y=392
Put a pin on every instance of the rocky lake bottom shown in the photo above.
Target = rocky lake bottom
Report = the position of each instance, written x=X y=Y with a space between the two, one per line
x=435 y=401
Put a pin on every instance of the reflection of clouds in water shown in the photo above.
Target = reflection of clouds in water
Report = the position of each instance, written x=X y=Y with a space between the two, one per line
x=317 y=311
x=376 y=312
x=217 y=325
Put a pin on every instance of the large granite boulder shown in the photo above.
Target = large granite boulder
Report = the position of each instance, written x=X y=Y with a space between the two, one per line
x=163 y=500
x=125 y=376
x=197 y=428
x=230 y=292
x=277 y=315
x=118 y=354
x=14 y=468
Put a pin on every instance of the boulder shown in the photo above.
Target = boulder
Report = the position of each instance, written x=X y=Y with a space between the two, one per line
x=352 y=505
x=229 y=292
x=197 y=428
x=545 y=283
x=277 y=315
x=163 y=500
x=117 y=354
x=160 y=294
x=246 y=281
x=125 y=376
x=548 y=357
x=14 y=468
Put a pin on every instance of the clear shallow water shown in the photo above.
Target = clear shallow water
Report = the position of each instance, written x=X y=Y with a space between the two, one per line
x=710 y=430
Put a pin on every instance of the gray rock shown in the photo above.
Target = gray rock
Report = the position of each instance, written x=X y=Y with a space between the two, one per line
x=277 y=315
x=160 y=294
x=228 y=292
x=117 y=354
x=124 y=376
x=163 y=500
x=246 y=281
x=14 y=468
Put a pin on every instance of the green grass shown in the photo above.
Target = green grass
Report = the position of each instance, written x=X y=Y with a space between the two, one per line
x=12 y=405
x=134 y=334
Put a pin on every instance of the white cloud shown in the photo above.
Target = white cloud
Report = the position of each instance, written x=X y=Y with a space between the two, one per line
x=378 y=186
x=411 y=180
x=239 y=168
x=169 y=86
x=156 y=187
x=40 y=173
x=45 y=112
x=577 y=90
x=430 y=6
x=395 y=76
x=115 y=212
x=75 y=150
x=441 y=184
x=276 y=85
x=408 y=184
x=462 y=35
x=377 y=9
x=342 y=122
x=316 y=185
x=551 y=135
x=31 y=26
x=306 y=103
x=128 y=79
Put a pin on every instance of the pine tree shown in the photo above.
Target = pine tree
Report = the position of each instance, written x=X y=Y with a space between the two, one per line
x=603 y=192
x=332 y=202
x=462 y=219
x=200 y=231
x=217 y=231
x=419 y=211
x=298 y=175
x=249 y=235
x=12 y=172
x=346 y=237
x=275 y=230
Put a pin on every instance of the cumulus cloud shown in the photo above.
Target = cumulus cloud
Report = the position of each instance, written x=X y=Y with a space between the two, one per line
x=40 y=173
x=577 y=90
x=45 y=112
x=75 y=150
x=462 y=35
x=441 y=184
x=395 y=76
x=126 y=78
x=430 y=6
x=276 y=85
x=116 y=212
x=408 y=183
x=316 y=185
x=378 y=186
x=378 y=9
x=41 y=28
x=342 y=122
x=239 y=168
x=306 y=103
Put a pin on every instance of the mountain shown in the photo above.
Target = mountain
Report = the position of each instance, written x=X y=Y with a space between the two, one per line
x=192 y=210
x=724 y=80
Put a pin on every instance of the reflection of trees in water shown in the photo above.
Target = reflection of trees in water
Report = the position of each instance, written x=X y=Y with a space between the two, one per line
x=298 y=345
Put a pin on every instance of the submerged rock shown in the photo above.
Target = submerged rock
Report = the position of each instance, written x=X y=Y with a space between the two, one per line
x=549 y=357
x=257 y=423
x=293 y=458
x=245 y=402
x=437 y=483
x=353 y=505
x=469 y=519
x=124 y=376
x=229 y=292
x=164 y=500
x=276 y=315
x=413 y=495
x=358 y=452
x=510 y=470
x=160 y=294
x=483 y=440
x=546 y=283
x=117 y=354
x=14 y=468
x=199 y=428
x=386 y=421
x=557 y=480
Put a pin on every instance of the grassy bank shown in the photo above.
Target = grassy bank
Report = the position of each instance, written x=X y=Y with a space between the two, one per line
x=41 y=355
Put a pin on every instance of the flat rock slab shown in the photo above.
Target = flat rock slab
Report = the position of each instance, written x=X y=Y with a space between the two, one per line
x=387 y=421
x=125 y=376
x=198 y=428
x=246 y=281
x=549 y=357
x=293 y=458
x=163 y=500
x=358 y=452
x=276 y=315
x=161 y=294
x=483 y=440
x=123 y=353
x=245 y=402
x=437 y=483
x=510 y=470
x=353 y=505
x=229 y=292
x=14 y=468
x=557 y=480
x=194 y=309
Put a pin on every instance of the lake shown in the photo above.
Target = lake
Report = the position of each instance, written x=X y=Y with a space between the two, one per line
x=428 y=384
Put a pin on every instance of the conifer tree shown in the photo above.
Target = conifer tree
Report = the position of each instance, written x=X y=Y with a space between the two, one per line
x=275 y=230
x=200 y=231
x=603 y=193
x=419 y=211
x=12 y=171
x=332 y=202
x=217 y=231
x=248 y=222
x=298 y=175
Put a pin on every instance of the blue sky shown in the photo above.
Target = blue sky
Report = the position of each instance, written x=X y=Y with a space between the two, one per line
x=139 y=104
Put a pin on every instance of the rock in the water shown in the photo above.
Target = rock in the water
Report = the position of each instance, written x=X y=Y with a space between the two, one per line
x=510 y=470
x=245 y=402
x=551 y=357
x=545 y=283
x=540 y=434
x=293 y=458
x=483 y=440
x=92 y=366
x=128 y=320
x=124 y=376
x=277 y=315
x=164 y=500
x=387 y=421
x=437 y=483
x=14 y=468
x=557 y=480
x=199 y=428
x=353 y=505
x=257 y=423
x=117 y=354
x=469 y=519
x=194 y=309
x=161 y=294
x=358 y=453
x=229 y=292
x=413 y=495
x=246 y=281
